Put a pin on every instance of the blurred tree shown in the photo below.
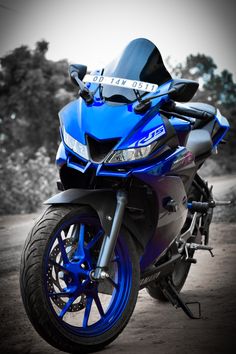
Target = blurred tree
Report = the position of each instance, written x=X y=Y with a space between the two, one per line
x=217 y=89
x=30 y=92
x=42 y=47
x=196 y=66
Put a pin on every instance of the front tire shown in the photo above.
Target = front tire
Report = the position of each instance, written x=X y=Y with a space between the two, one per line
x=68 y=310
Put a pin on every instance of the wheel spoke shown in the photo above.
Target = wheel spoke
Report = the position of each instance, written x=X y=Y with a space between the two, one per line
x=62 y=249
x=71 y=230
x=79 y=253
x=87 y=311
x=111 y=281
x=94 y=240
x=98 y=304
x=58 y=265
x=55 y=282
x=67 y=306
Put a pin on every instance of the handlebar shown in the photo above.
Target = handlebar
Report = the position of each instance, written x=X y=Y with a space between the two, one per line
x=188 y=111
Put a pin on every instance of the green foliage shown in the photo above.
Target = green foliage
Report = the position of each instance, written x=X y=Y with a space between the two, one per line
x=25 y=184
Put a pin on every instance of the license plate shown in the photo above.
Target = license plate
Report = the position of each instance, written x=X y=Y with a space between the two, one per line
x=116 y=81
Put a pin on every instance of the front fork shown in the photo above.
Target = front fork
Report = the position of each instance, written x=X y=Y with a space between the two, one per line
x=109 y=241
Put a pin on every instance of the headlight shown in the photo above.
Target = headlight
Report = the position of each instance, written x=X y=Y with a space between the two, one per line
x=75 y=145
x=130 y=154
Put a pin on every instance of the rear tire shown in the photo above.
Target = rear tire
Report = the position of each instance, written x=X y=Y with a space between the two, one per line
x=178 y=279
x=37 y=286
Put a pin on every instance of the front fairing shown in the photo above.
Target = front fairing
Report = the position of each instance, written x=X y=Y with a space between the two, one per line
x=103 y=120
x=112 y=115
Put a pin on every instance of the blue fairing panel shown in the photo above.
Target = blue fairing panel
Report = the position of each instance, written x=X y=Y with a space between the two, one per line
x=102 y=122
x=146 y=134
x=223 y=127
x=61 y=155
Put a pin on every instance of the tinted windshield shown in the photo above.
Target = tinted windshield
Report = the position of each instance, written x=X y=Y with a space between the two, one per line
x=140 y=60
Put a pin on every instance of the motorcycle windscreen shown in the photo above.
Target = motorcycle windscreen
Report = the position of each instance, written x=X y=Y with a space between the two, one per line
x=141 y=61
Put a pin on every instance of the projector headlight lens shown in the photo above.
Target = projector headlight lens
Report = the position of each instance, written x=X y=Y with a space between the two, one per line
x=130 y=154
x=75 y=145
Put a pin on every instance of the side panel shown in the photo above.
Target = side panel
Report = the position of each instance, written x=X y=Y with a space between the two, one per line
x=166 y=180
x=169 y=223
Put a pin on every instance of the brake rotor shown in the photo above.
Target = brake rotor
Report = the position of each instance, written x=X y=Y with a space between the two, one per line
x=54 y=278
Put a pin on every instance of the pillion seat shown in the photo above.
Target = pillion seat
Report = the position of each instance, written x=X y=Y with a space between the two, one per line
x=199 y=142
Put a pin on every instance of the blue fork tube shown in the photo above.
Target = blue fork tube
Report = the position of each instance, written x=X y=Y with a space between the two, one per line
x=109 y=241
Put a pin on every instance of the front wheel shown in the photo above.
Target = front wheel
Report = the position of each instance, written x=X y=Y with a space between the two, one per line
x=67 y=308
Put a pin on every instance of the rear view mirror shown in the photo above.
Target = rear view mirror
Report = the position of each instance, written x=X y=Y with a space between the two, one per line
x=183 y=90
x=80 y=69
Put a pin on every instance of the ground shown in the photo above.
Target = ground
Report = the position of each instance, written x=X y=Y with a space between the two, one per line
x=154 y=327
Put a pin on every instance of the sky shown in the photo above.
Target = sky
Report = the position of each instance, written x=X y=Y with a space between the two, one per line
x=94 y=32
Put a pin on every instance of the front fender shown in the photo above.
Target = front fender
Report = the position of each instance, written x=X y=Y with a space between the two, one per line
x=103 y=201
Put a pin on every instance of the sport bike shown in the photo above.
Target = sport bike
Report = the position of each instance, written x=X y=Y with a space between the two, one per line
x=132 y=209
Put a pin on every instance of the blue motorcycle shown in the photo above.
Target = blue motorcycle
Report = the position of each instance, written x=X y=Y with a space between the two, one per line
x=132 y=209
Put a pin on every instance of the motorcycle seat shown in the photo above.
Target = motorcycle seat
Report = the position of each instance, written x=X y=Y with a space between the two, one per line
x=199 y=142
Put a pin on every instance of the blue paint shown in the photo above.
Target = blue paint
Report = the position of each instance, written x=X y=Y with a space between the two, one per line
x=108 y=119
x=61 y=156
x=77 y=279
x=223 y=127
x=179 y=124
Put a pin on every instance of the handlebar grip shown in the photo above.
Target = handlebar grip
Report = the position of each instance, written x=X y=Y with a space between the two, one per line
x=191 y=112
x=187 y=111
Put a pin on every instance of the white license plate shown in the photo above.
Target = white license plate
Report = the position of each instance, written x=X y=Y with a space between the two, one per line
x=116 y=81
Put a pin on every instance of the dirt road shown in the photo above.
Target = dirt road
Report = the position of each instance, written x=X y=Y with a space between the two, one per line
x=154 y=327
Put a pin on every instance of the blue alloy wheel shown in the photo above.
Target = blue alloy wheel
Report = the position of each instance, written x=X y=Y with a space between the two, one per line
x=80 y=312
x=70 y=260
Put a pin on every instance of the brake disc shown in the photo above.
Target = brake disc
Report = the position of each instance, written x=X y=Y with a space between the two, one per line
x=54 y=282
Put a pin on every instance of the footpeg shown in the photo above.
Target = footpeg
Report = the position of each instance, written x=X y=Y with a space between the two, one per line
x=201 y=207
x=196 y=246
x=223 y=202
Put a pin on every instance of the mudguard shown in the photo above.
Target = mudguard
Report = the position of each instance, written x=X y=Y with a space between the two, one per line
x=103 y=201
